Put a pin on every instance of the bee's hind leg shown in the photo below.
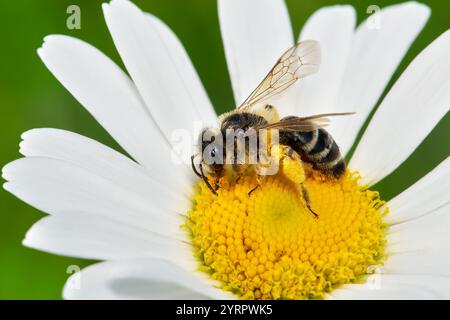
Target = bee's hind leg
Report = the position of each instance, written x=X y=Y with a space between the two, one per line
x=308 y=201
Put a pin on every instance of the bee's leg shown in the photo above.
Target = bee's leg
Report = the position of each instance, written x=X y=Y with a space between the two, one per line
x=252 y=190
x=194 y=168
x=259 y=180
x=205 y=179
x=291 y=153
x=308 y=201
x=216 y=185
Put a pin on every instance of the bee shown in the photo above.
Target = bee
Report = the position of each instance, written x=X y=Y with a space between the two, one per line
x=303 y=138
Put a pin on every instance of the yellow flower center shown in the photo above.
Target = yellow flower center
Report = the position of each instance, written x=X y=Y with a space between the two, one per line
x=268 y=245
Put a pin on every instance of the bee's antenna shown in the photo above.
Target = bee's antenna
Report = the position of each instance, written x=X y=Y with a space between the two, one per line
x=193 y=166
x=206 y=180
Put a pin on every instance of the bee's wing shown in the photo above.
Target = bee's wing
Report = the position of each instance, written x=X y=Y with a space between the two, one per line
x=297 y=62
x=298 y=124
x=303 y=124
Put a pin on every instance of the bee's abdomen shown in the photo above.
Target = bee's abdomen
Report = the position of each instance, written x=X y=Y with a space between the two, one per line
x=318 y=148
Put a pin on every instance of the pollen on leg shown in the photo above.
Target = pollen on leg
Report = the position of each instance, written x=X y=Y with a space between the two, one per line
x=269 y=246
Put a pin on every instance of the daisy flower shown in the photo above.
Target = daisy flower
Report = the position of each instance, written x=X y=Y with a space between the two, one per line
x=157 y=229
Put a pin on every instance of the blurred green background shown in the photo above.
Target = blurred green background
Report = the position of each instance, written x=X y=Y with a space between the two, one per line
x=30 y=97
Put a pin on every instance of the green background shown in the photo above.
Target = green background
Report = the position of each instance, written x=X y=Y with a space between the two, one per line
x=30 y=97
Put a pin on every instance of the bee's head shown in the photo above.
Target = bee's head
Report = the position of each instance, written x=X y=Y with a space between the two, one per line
x=212 y=150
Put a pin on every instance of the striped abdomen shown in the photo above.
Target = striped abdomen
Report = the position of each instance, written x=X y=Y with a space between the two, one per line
x=318 y=148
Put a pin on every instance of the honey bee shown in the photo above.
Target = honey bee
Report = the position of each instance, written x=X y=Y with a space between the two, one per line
x=303 y=138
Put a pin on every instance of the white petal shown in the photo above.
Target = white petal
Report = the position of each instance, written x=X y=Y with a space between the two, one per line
x=426 y=197
x=334 y=28
x=187 y=74
x=255 y=33
x=104 y=161
x=426 y=262
x=109 y=95
x=161 y=71
x=373 y=60
x=396 y=287
x=94 y=237
x=423 y=197
x=412 y=108
x=58 y=187
x=139 y=279
x=429 y=232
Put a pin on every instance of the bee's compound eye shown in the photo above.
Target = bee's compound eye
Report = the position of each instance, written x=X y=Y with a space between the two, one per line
x=234 y=118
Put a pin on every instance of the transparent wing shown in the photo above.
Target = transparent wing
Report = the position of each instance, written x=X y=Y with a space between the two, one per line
x=303 y=124
x=298 y=125
x=297 y=62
